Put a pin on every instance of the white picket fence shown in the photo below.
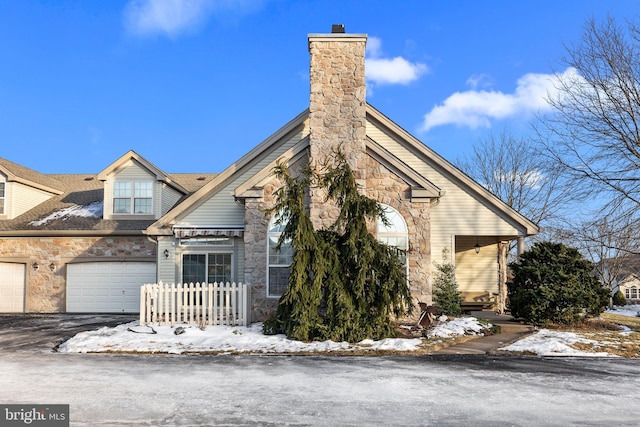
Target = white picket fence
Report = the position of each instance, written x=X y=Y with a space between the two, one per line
x=204 y=304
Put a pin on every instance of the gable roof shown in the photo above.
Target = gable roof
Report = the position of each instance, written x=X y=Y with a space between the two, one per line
x=135 y=157
x=195 y=199
x=452 y=171
x=421 y=186
x=24 y=175
x=76 y=207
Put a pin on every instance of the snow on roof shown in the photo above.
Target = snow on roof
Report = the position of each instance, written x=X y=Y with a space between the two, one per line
x=93 y=210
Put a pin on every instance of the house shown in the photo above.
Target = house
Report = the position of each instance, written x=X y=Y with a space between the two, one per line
x=630 y=288
x=152 y=226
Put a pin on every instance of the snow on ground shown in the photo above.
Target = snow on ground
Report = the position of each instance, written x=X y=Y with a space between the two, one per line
x=627 y=310
x=553 y=343
x=225 y=339
x=134 y=338
x=456 y=327
x=556 y=343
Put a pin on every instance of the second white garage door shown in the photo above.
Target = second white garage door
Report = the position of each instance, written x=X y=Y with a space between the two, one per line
x=107 y=287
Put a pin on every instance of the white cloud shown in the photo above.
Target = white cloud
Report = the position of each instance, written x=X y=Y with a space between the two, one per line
x=374 y=46
x=477 y=108
x=479 y=80
x=395 y=70
x=173 y=17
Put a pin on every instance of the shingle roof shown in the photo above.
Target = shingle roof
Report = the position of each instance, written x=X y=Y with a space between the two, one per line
x=79 y=190
x=22 y=173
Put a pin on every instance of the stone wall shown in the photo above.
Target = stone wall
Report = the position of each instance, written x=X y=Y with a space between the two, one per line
x=46 y=288
x=387 y=188
x=337 y=110
x=255 y=245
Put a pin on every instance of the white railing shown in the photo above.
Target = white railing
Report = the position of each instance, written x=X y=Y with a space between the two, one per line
x=204 y=304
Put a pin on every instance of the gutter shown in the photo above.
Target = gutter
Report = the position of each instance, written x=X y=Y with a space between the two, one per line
x=71 y=233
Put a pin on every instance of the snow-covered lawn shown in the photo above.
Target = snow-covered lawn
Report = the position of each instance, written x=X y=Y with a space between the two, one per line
x=627 y=310
x=546 y=342
x=554 y=343
x=133 y=338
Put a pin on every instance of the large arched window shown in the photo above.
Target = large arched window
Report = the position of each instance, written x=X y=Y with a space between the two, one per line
x=278 y=262
x=396 y=234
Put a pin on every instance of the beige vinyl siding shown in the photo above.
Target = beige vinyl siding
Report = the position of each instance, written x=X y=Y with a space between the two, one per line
x=476 y=272
x=240 y=260
x=168 y=198
x=167 y=268
x=458 y=211
x=132 y=172
x=21 y=198
x=4 y=204
x=107 y=209
x=221 y=208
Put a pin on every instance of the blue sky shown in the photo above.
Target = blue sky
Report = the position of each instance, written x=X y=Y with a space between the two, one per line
x=192 y=85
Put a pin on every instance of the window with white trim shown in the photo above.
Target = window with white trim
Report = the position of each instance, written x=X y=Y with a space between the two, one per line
x=631 y=293
x=2 y=198
x=278 y=261
x=207 y=267
x=133 y=197
x=396 y=234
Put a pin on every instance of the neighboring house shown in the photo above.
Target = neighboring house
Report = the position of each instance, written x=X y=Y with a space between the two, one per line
x=215 y=229
x=630 y=288
x=60 y=253
x=623 y=274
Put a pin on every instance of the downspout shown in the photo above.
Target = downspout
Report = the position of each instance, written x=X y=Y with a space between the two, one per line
x=520 y=249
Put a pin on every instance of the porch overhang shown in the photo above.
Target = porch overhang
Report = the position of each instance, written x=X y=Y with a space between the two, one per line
x=185 y=232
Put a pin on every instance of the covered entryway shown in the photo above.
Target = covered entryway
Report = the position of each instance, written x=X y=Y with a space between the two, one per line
x=12 y=283
x=107 y=287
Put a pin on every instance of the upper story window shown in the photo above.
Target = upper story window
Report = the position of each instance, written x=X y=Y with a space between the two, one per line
x=1 y=198
x=133 y=197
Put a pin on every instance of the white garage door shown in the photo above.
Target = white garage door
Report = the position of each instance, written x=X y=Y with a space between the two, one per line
x=107 y=287
x=12 y=280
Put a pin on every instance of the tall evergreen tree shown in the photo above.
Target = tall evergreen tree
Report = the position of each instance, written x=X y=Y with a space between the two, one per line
x=344 y=284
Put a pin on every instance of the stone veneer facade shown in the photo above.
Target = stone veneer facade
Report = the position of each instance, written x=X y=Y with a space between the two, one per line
x=337 y=110
x=388 y=189
x=46 y=289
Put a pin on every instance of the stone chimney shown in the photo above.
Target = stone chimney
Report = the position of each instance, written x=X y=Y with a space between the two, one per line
x=337 y=104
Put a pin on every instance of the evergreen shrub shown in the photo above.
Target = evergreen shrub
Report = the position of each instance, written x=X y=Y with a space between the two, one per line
x=553 y=283
x=619 y=299
x=445 y=290
x=344 y=285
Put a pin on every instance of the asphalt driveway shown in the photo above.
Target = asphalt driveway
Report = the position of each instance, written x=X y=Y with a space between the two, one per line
x=447 y=390
x=44 y=332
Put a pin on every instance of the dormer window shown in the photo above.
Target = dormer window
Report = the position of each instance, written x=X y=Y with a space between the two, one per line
x=1 y=198
x=133 y=197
